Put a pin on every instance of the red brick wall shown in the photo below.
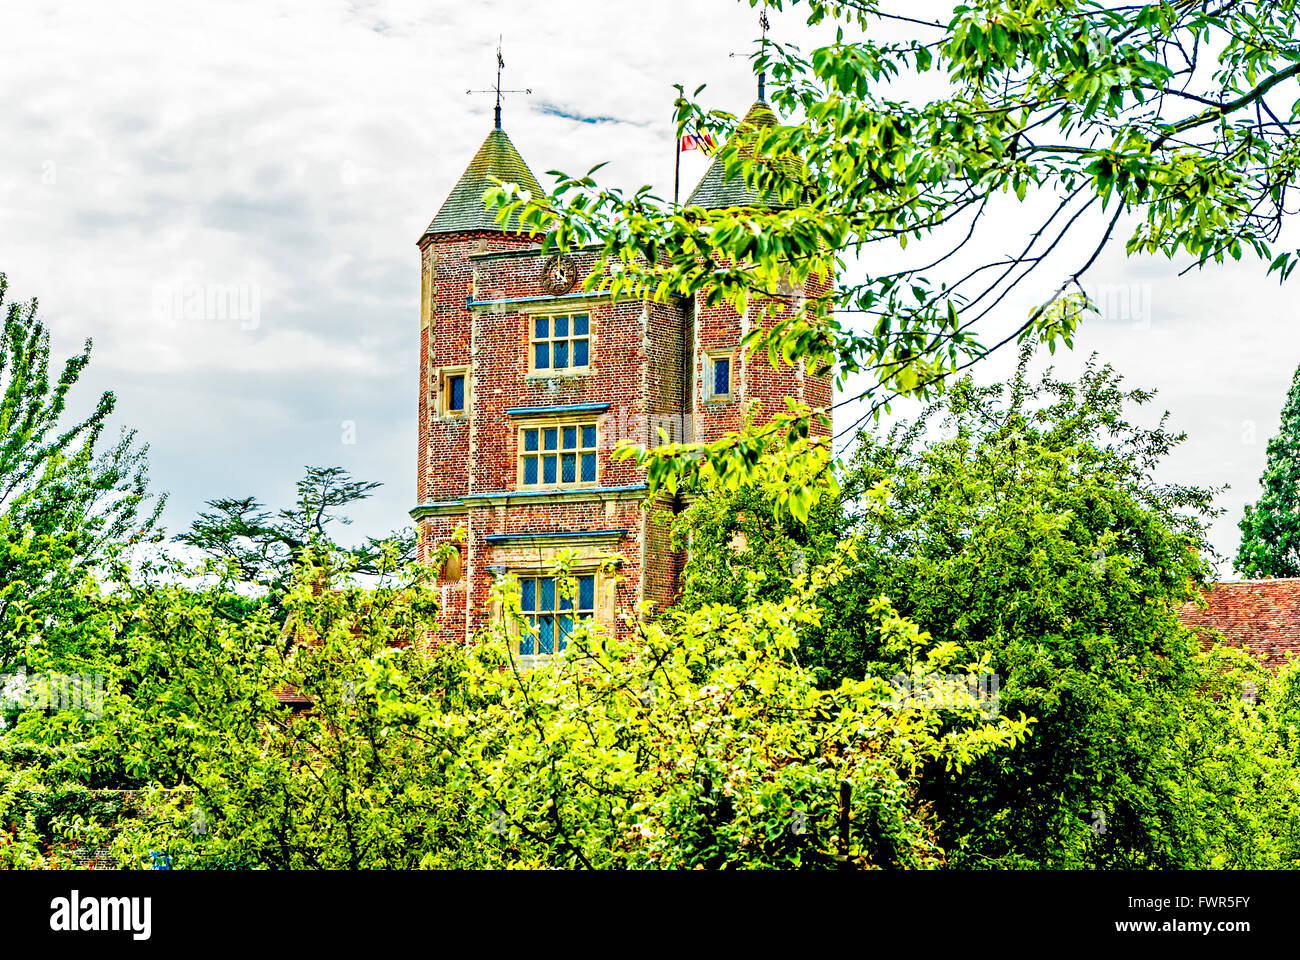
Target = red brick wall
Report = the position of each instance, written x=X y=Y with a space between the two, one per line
x=444 y=444
x=663 y=565
x=637 y=352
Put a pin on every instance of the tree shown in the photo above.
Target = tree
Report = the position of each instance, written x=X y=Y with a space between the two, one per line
x=66 y=503
x=1168 y=120
x=266 y=548
x=1270 y=529
x=1020 y=523
x=698 y=743
x=1033 y=533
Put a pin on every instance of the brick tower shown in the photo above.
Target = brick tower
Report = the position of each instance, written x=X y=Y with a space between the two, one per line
x=527 y=385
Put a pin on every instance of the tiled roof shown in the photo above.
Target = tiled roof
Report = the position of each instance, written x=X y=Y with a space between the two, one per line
x=463 y=211
x=292 y=698
x=1262 y=616
x=716 y=192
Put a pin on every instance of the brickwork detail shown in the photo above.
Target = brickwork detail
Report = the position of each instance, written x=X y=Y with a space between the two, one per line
x=481 y=295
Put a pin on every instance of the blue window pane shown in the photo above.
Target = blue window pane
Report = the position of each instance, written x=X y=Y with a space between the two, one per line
x=561 y=326
x=721 y=377
x=457 y=401
x=580 y=325
x=566 y=627
x=549 y=438
x=530 y=439
x=548 y=470
x=542 y=356
x=579 y=353
x=561 y=355
x=528 y=594
x=545 y=634
x=526 y=638
x=530 y=470
x=541 y=327
x=588 y=468
x=548 y=593
x=586 y=593
x=568 y=468
x=570 y=438
x=589 y=436
x=566 y=603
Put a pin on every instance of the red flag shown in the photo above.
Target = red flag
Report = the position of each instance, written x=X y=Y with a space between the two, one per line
x=698 y=141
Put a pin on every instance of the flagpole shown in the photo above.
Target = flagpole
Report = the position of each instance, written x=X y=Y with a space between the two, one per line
x=677 y=170
x=677 y=152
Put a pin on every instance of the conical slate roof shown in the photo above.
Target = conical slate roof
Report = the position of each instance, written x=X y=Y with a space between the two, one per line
x=716 y=192
x=463 y=211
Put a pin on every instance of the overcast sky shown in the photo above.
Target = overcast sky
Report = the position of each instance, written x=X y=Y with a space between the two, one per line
x=294 y=150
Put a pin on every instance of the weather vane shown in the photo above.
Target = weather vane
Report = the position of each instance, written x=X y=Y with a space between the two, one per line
x=764 y=25
x=501 y=65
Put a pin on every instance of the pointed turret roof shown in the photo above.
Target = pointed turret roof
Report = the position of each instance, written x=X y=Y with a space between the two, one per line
x=463 y=211
x=716 y=192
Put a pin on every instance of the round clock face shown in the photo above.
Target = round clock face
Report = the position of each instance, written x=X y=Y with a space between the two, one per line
x=559 y=275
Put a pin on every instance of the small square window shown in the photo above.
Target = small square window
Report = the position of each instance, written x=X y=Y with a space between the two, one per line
x=453 y=392
x=718 y=375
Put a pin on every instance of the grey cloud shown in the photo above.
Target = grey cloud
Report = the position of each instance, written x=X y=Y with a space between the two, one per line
x=553 y=110
x=246 y=213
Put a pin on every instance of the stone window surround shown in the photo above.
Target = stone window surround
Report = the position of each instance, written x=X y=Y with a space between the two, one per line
x=719 y=353
x=440 y=392
x=541 y=423
x=551 y=310
x=593 y=559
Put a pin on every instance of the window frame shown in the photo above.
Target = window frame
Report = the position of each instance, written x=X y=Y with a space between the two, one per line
x=549 y=317
x=534 y=614
x=453 y=568
x=710 y=375
x=559 y=424
x=442 y=392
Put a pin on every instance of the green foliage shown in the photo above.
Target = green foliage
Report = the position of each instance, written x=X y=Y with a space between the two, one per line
x=701 y=743
x=66 y=502
x=1270 y=528
x=784 y=459
x=237 y=779
x=1020 y=524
